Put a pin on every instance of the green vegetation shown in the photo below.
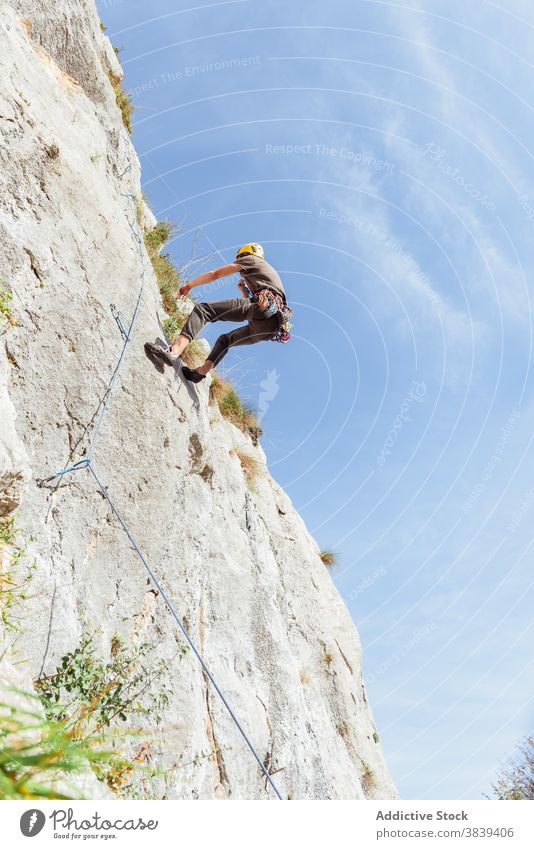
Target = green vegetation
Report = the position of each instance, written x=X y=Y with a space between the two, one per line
x=15 y=575
x=87 y=694
x=173 y=325
x=516 y=780
x=367 y=778
x=233 y=409
x=329 y=558
x=6 y=311
x=195 y=354
x=139 y=201
x=124 y=102
x=167 y=275
x=35 y=752
x=87 y=691
x=252 y=468
x=376 y=737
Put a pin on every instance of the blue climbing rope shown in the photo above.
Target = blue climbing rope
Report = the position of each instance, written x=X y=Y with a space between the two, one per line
x=86 y=463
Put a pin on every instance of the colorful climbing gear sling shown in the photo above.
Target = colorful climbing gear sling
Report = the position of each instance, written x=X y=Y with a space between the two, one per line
x=272 y=304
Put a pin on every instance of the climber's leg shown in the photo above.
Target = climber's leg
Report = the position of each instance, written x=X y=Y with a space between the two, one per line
x=241 y=336
x=258 y=329
x=236 y=309
x=253 y=332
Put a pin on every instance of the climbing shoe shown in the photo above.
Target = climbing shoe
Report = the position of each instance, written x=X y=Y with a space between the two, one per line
x=161 y=353
x=192 y=374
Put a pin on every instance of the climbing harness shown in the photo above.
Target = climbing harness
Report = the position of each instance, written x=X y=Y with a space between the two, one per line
x=86 y=462
x=271 y=304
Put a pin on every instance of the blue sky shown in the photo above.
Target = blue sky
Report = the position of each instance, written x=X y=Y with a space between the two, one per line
x=382 y=153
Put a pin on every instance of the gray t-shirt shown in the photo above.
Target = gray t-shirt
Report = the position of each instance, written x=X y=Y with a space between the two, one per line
x=258 y=274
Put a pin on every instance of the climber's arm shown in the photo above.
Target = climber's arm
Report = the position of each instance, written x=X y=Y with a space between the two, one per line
x=209 y=277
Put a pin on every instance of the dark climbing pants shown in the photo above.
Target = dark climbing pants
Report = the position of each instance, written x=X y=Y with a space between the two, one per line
x=257 y=329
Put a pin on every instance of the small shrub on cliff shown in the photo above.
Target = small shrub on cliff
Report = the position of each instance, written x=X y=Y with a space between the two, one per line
x=124 y=102
x=232 y=407
x=87 y=694
x=86 y=691
x=367 y=778
x=6 y=311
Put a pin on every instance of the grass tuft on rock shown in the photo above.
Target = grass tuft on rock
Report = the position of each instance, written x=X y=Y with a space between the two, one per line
x=329 y=558
x=168 y=278
x=195 y=354
x=367 y=779
x=167 y=274
x=124 y=102
x=252 y=468
x=232 y=408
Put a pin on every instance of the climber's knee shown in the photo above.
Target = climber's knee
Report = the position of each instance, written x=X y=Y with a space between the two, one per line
x=224 y=340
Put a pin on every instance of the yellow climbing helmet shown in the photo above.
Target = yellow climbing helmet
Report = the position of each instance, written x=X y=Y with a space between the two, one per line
x=251 y=248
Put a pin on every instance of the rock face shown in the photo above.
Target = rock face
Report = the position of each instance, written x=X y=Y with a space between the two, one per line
x=240 y=566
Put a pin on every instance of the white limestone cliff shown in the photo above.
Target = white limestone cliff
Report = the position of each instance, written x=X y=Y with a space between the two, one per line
x=240 y=566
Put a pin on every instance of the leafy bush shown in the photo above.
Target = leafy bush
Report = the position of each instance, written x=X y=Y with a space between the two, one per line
x=87 y=691
x=87 y=694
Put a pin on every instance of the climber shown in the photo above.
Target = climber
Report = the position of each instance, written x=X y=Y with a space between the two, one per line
x=263 y=305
